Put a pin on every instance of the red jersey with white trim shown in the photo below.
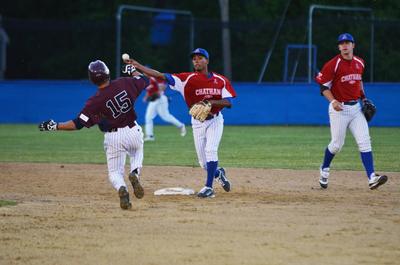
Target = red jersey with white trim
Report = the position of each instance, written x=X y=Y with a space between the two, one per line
x=196 y=87
x=153 y=88
x=343 y=78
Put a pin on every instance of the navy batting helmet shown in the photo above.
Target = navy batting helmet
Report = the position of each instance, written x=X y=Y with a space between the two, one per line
x=98 y=72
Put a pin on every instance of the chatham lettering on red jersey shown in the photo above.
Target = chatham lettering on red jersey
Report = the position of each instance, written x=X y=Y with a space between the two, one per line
x=351 y=77
x=343 y=78
x=196 y=87
x=208 y=91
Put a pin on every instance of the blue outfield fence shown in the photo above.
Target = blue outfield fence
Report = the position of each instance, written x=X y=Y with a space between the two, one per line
x=264 y=104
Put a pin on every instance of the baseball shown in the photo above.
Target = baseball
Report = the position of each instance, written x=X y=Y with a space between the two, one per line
x=125 y=56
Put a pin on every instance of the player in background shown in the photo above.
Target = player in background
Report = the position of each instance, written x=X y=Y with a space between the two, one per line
x=341 y=84
x=112 y=109
x=158 y=105
x=198 y=86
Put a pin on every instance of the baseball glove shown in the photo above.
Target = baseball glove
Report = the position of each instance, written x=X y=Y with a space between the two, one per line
x=369 y=109
x=200 y=110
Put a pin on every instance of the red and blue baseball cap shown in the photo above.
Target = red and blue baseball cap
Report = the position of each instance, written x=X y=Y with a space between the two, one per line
x=200 y=51
x=345 y=37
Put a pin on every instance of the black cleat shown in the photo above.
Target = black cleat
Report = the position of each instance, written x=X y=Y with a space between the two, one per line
x=222 y=179
x=137 y=187
x=124 y=198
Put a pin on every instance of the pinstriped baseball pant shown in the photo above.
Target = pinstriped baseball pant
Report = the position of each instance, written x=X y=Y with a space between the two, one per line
x=350 y=117
x=125 y=141
x=207 y=136
x=160 y=107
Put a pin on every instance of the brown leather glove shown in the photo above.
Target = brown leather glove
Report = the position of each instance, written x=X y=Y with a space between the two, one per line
x=200 y=110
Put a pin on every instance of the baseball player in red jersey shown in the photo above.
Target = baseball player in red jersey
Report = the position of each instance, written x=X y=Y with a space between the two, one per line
x=195 y=87
x=341 y=83
x=112 y=108
x=158 y=105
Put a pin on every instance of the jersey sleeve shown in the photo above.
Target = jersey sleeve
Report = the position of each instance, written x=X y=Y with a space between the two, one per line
x=152 y=85
x=327 y=74
x=363 y=65
x=140 y=82
x=177 y=81
x=88 y=115
x=228 y=91
x=362 y=62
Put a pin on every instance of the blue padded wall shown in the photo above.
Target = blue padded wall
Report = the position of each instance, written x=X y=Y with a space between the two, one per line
x=266 y=104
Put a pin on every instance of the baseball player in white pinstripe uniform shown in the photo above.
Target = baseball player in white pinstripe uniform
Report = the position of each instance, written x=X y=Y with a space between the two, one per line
x=341 y=83
x=158 y=105
x=197 y=86
x=112 y=109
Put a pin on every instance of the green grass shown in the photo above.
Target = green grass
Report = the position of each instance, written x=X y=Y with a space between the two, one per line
x=7 y=203
x=290 y=147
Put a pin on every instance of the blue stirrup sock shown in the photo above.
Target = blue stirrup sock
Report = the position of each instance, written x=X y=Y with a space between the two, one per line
x=211 y=168
x=368 y=162
x=327 y=158
x=216 y=173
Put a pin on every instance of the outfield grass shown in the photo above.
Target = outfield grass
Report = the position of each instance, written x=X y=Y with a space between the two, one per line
x=292 y=147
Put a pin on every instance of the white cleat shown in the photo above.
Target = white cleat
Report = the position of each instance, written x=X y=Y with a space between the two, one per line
x=376 y=181
x=206 y=192
x=323 y=177
x=183 y=130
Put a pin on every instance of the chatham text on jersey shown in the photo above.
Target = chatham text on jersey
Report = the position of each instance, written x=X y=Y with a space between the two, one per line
x=208 y=91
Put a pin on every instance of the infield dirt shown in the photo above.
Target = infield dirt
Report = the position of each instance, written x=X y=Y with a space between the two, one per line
x=69 y=214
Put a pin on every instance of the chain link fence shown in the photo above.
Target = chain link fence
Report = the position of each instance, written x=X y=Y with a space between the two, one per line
x=62 y=49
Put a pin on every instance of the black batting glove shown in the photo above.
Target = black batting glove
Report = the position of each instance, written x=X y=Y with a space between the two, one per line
x=49 y=125
x=128 y=70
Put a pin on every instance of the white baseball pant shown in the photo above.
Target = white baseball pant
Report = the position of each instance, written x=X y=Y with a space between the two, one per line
x=350 y=117
x=207 y=136
x=160 y=107
x=125 y=141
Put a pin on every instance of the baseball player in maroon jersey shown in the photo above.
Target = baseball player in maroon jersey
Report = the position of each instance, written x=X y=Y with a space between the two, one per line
x=158 y=105
x=341 y=84
x=195 y=87
x=112 y=108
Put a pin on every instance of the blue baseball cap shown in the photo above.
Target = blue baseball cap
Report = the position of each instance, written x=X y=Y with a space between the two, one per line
x=345 y=37
x=200 y=51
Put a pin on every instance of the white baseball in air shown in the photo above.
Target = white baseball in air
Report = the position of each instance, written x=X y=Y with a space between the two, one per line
x=125 y=57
